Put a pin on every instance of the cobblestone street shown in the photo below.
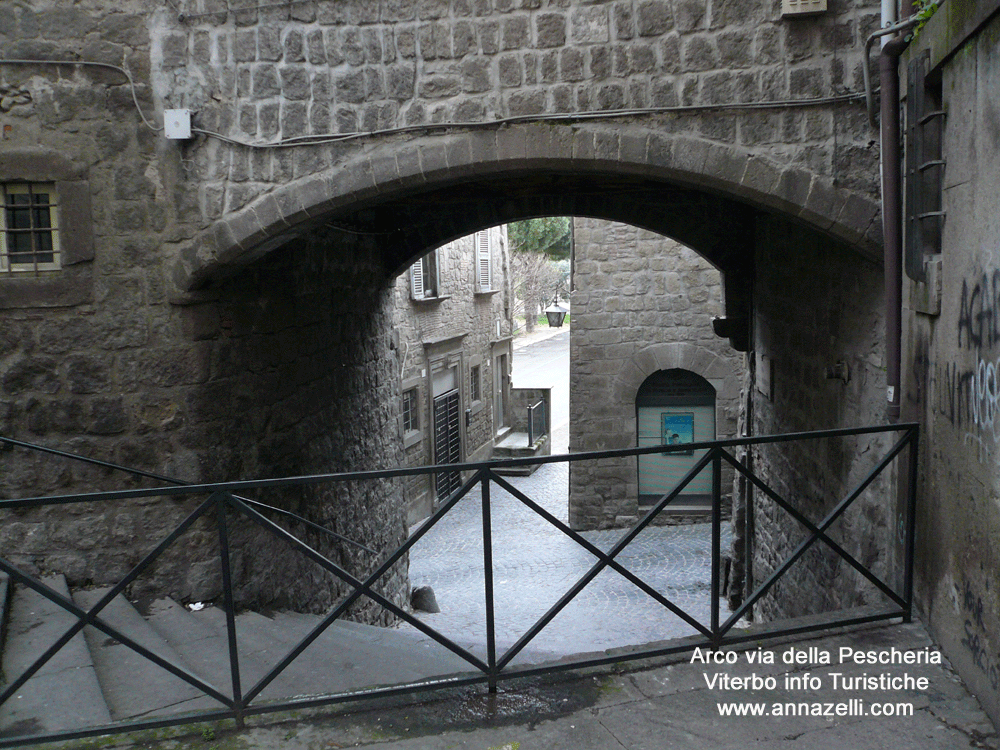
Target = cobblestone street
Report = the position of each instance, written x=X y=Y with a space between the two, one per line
x=535 y=564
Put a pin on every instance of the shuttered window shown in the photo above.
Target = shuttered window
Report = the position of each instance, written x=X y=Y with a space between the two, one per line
x=424 y=277
x=484 y=262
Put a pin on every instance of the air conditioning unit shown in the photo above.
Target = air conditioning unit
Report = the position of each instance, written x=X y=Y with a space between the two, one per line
x=802 y=7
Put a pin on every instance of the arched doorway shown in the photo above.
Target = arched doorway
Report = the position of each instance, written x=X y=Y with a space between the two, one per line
x=674 y=407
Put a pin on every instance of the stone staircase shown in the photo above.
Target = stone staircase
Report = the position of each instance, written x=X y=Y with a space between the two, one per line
x=94 y=680
x=515 y=445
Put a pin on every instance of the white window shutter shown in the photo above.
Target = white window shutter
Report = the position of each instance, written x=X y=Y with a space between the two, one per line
x=417 y=280
x=483 y=264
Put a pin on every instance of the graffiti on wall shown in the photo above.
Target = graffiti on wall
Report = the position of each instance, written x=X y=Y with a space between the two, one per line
x=974 y=639
x=967 y=392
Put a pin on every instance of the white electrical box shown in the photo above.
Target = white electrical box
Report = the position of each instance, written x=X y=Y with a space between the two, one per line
x=177 y=124
x=802 y=7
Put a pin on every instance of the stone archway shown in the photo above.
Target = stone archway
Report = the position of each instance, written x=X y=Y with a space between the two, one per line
x=478 y=178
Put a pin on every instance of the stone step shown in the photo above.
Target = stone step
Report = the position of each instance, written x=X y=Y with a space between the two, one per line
x=340 y=660
x=199 y=643
x=201 y=639
x=135 y=687
x=407 y=640
x=410 y=647
x=65 y=693
x=515 y=445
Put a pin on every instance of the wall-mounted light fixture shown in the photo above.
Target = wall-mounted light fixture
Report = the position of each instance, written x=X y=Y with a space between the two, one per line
x=797 y=8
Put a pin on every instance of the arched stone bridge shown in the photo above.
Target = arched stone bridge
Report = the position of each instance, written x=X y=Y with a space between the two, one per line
x=715 y=121
x=223 y=308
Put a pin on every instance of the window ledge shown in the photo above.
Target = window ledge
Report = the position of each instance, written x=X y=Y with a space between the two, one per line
x=486 y=292
x=67 y=288
x=439 y=298
x=411 y=438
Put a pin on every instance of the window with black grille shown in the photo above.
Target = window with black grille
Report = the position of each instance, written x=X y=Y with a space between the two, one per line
x=925 y=122
x=475 y=383
x=29 y=241
x=411 y=414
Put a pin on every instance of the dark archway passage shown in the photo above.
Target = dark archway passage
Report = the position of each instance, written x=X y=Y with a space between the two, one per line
x=343 y=251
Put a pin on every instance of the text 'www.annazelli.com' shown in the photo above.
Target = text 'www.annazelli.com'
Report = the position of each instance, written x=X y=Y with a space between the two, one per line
x=852 y=707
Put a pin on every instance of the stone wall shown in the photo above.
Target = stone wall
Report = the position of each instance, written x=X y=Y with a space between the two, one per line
x=640 y=303
x=521 y=399
x=819 y=305
x=462 y=323
x=359 y=66
x=288 y=369
x=108 y=357
x=951 y=354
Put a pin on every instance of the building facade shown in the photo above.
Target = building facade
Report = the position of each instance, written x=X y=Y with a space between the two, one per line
x=453 y=312
x=646 y=368
x=224 y=304
x=949 y=77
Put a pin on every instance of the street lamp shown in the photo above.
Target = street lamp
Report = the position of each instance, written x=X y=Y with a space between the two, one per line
x=556 y=314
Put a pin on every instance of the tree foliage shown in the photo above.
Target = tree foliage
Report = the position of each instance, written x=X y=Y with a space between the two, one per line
x=541 y=247
x=549 y=236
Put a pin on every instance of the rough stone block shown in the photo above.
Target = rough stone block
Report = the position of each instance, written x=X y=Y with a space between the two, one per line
x=793 y=188
x=315 y=48
x=510 y=71
x=295 y=83
x=590 y=25
x=174 y=48
x=489 y=37
x=433 y=159
x=294 y=119
x=440 y=86
x=654 y=17
x=855 y=218
x=760 y=178
x=372 y=42
x=807 y=82
x=525 y=103
x=269 y=119
x=265 y=82
x=514 y=34
x=350 y=87
x=550 y=30
x=624 y=20
x=293 y=46
x=463 y=39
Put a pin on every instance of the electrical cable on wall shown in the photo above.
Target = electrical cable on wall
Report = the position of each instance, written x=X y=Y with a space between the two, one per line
x=565 y=117
x=93 y=64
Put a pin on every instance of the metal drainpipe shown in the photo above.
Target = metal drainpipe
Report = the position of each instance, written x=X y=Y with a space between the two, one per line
x=892 y=213
x=892 y=220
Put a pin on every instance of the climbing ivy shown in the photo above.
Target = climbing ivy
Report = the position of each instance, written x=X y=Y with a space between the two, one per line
x=924 y=9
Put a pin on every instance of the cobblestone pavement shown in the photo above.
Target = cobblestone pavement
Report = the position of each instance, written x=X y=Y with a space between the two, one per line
x=535 y=564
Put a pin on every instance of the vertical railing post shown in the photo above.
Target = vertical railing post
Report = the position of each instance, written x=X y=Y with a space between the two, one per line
x=227 y=590
x=911 y=523
x=491 y=643
x=531 y=426
x=716 y=544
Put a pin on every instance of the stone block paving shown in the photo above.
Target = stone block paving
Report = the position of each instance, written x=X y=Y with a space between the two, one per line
x=535 y=563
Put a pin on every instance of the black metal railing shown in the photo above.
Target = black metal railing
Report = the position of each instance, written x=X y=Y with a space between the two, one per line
x=221 y=501
x=536 y=422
